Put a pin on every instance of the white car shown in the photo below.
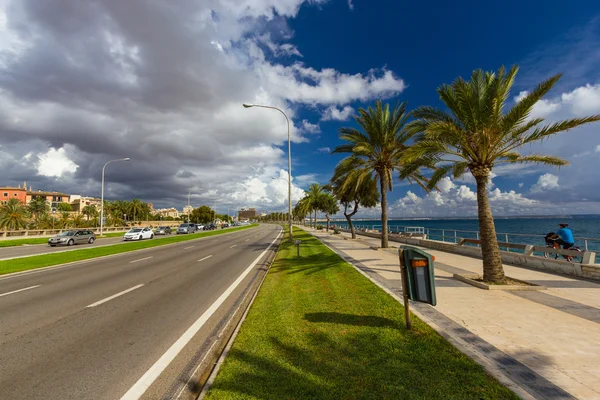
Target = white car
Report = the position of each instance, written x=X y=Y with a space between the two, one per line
x=138 y=234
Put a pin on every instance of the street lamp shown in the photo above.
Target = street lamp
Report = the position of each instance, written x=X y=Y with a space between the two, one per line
x=102 y=200
x=289 y=161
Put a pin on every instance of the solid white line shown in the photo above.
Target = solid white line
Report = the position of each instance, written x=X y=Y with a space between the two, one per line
x=189 y=247
x=140 y=387
x=115 y=295
x=202 y=259
x=246 y=240
x=231 y=247
x=141 y=259
x=20 y=290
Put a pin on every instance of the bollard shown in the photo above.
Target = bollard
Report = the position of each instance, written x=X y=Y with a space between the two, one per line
x=298 y=242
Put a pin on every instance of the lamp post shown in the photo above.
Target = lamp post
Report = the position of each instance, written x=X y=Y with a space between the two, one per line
x=289 y=161
x=102 y=200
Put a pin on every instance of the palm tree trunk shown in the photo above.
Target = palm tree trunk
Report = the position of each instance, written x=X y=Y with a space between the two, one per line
x=349 y=218
x=384 y=216
x=327 y=216
x=490 y=251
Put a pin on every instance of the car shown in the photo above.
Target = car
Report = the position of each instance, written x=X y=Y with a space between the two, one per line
x=199 y=227
x=225 y=225
x=186 y=228
x=162 y=230
x=138 y=234
x=210 y=227
x=69 y=238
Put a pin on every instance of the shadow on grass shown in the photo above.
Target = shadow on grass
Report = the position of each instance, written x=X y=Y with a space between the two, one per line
x=351 y=319
x=353 y=366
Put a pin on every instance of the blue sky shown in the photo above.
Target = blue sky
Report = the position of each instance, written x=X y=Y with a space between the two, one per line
x=82 y=83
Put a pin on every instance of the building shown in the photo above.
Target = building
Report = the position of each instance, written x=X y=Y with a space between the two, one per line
x=79 y=203
x=8 y=192
x=187 y=210
x=247 y=214
x=167 y=212
x=53 y=198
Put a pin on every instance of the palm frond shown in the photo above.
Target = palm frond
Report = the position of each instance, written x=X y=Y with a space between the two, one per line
x=515 y=158
x=541 y=133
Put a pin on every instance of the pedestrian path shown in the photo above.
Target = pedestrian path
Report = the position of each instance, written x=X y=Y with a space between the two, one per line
x=547 y=343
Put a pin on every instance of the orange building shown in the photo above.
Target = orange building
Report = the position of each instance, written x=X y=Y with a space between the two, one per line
x=7 y=193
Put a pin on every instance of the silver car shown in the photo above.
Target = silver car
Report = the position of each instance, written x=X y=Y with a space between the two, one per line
x=69 y=238
x=186 y=228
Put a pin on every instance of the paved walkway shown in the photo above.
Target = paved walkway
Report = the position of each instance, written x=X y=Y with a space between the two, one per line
x=546 y=342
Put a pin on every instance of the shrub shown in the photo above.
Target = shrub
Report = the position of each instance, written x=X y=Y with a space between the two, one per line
x=319 y=227
x=336 y=231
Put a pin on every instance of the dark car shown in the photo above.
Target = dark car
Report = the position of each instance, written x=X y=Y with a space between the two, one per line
x=209 y=227
x=69 y=238
x=225 y=225
x=163 y=230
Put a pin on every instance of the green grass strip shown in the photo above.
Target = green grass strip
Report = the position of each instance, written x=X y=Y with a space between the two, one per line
x=318 y=329
x=44 y=240
x=45 y=260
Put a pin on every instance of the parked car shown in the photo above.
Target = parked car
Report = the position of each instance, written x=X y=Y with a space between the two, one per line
x=162 y=230
x=138 y=234
x=186 y=228
x=225 y=225
x=69 y=238
x=199 y=227
x=210 y=227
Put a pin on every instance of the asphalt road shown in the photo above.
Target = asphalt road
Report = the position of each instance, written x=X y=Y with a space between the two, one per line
x=92 y=330
x=38 y=249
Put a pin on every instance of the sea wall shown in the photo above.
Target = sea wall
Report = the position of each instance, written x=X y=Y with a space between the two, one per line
x=589 y=270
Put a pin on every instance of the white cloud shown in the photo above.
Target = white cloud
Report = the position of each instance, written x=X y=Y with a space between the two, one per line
x=55 y=163
x=310 y=128
x=521 y=185
x=598 y=149
x=324 y=150
x=350 y=5
x=116 y=89
x=545 y=182
x=332 y=113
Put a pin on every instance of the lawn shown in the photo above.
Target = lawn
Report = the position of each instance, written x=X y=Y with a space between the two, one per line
x=45 y=260
x=318 y=329
x=44 y=240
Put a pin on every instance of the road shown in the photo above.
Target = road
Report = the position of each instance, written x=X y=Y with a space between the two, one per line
x=92 y=330
x=39 y=249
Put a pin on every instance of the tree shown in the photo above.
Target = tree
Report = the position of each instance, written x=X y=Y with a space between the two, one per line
x=90 y=211
x=350 y=193
x=476 y=134
x=135 y=208
x=64 y=220
x=13 y=215
x=202 y=214
x=314 y=195
x=66 y=207
x=302 y=208
x=78 y=221
x=377 y=151
x=38 y=206
x=329 y=206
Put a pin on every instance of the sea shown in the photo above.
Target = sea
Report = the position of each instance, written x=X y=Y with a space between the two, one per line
x=525 y=230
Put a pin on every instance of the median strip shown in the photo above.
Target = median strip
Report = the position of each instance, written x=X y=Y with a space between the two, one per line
x=45 y=260
x=115 y=296
x=333 y=334
x=20 y=290
x=141 y=259
x=205 y=258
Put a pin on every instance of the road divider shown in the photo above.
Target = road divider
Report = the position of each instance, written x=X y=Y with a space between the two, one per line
x=114 y=296
x=20 y=290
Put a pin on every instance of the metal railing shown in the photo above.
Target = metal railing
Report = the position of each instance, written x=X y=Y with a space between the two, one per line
x=455 y=235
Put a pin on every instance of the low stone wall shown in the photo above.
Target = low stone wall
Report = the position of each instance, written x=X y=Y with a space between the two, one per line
x=591 y=271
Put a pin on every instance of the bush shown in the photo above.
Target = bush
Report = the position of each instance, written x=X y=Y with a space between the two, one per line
x=336 y=231
x=319 y=227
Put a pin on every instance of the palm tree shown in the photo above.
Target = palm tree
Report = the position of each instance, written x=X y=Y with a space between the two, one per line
x=38 y=206
x=78 y=221
x=329 y=206
x=377 y=151
x=13 y=215
x=65 y=219
x=350 y=193
x=314 y=194
x=302 y=208
x=90 y=211
x=136 y=207
x=476 y=134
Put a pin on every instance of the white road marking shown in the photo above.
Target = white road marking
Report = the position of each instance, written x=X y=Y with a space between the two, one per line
x=246 y=240
x=115 y=295
x=140 y=387
x=20 y=290
x=202 y=259
x=189 y=247
x=141 y=259
x=231 y=247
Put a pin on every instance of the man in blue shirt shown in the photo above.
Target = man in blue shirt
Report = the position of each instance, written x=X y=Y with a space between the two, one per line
x=566 y=239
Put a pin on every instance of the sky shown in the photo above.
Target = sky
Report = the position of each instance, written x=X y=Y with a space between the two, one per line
x=82 y=83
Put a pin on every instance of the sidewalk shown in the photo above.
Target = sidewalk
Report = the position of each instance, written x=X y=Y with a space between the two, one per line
x=546 y=342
